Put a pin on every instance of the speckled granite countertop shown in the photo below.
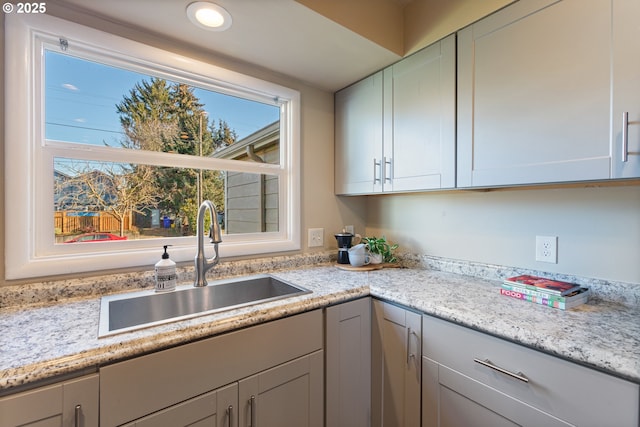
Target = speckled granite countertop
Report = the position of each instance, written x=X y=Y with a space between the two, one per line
x=48 y=341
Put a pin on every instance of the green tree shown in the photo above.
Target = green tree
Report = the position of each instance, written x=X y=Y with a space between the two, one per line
x=223 y=135
x=161 y=116
x=110 y=187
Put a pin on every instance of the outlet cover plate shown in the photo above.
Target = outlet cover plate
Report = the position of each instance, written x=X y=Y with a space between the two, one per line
x=547 y=249
x=316 y=237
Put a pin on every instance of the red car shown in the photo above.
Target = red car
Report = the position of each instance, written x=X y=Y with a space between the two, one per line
x=96 y=237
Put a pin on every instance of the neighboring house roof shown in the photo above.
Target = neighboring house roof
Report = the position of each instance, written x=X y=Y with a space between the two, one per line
x=259 y=140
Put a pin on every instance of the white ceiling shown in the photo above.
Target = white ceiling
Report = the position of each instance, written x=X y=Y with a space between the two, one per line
x=279 y=35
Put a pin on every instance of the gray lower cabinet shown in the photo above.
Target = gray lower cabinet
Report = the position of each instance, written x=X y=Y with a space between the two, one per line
x=395 y=366
x=348 y=364
x=471 y=378
x=71 y=403
x=278 y=363
x=216 y=408
x=287 y=395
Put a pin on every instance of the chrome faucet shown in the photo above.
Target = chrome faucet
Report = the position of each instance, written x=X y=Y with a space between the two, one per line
x=202 y=263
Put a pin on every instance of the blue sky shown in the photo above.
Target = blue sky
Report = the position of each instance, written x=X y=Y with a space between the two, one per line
x=81 y=98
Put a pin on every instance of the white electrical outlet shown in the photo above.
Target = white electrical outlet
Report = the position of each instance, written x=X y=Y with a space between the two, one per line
x=316 y=237
x=349 y=229
x=547 y=249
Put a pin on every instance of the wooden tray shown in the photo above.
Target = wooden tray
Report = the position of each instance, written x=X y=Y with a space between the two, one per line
x=369 y=267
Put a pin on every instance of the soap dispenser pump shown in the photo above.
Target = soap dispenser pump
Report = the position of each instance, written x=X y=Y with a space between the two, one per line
x=165 y=273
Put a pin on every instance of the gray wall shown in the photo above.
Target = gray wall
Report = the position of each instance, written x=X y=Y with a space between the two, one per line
x=598 y=228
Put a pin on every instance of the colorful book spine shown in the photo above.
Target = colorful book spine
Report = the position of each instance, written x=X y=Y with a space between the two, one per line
x=535 y=293
x=562 y=305
x=542 y=284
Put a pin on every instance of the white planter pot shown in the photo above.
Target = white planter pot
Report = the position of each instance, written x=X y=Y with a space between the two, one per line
x=375 y=258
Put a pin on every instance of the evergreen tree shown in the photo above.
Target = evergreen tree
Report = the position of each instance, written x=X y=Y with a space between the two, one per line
x=223 y=135
x=167 y=117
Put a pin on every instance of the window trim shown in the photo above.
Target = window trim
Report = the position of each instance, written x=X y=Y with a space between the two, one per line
x=27 y=253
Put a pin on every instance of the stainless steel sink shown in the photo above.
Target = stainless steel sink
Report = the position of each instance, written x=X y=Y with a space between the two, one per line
x=122 y=313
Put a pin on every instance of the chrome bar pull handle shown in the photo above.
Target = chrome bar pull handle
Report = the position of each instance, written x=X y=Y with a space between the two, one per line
x=252 y=408
x=78 y=415
x=409 y=354
x=517 y=375
x=625 y=136
x=388 y=176
x=230 y=415
x=377 y=171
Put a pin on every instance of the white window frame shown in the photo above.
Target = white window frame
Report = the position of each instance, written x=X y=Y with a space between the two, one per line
x=30 y=250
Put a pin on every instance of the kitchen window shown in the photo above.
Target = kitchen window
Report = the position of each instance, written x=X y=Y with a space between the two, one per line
x=111 y=145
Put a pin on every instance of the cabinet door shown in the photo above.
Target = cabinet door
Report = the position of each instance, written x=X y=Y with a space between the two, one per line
x=287 y=395
x=451 y=399
x=68 y=404
x=358 y=137
x=534 y=94
x=395 y=362
x=495 y=373
x=626 y=89
x=419 y=131
x=135 y=388
x=348 y=364
x=214 y=409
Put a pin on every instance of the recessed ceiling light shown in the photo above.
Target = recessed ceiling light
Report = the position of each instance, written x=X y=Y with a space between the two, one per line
x=209 y=16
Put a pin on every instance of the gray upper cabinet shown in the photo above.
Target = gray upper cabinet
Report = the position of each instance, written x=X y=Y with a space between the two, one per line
x=534 y=93
x=419 y=126
x=546 y=92
x=395 y=130
x=358 y=137
x=626 y=89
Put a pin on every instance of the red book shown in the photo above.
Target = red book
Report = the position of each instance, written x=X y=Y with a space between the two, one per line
x=541 y=284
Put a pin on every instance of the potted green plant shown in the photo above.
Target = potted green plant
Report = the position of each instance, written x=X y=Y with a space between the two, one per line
x=380 y=250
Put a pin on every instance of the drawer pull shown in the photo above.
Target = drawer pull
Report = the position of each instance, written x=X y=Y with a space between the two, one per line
x=409 y=355
x=252 y=407
x=78 y=415
x=411 y=333
x=230 y=415
x=518 y=375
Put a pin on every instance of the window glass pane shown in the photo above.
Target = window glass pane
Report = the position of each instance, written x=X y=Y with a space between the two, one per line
x=251 y=203
x=106 y=201
x=91 y=103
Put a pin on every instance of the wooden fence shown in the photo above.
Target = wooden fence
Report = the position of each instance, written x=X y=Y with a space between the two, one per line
x=68 y=222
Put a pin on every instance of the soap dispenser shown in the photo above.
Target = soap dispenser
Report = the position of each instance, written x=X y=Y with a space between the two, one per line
x=165 y=273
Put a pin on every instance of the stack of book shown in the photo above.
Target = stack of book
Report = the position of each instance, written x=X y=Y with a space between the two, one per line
x=549 y=292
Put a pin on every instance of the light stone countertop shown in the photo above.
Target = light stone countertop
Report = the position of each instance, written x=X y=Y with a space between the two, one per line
x=48 y=342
